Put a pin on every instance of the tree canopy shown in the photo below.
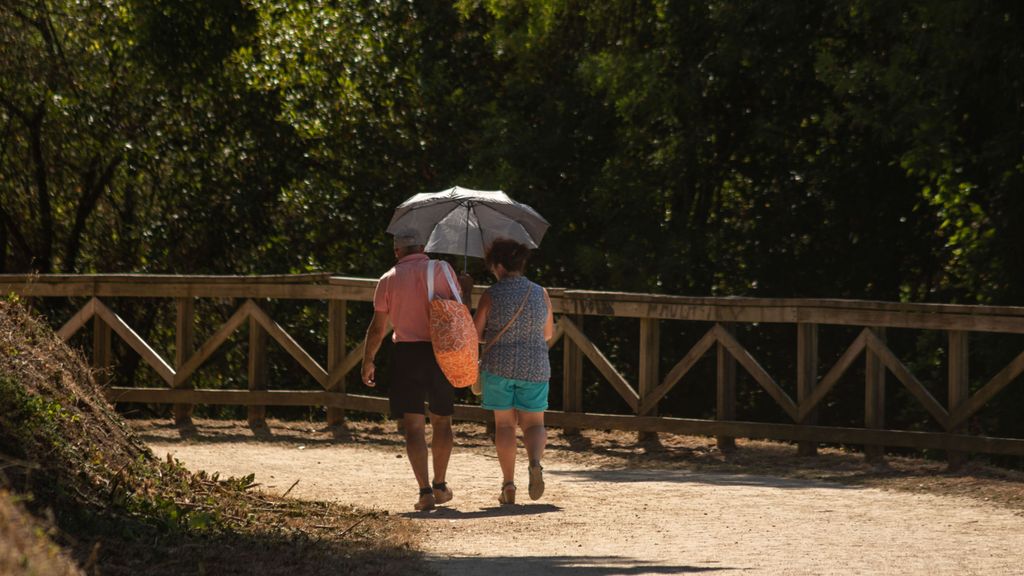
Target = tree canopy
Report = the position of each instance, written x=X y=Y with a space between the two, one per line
x=706 y=148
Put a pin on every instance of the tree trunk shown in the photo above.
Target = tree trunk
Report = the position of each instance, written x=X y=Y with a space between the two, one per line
x=93 y=188
x=44 y=256
x=3 y=247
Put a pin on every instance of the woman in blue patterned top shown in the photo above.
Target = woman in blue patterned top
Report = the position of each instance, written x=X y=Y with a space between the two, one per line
x=514 y=321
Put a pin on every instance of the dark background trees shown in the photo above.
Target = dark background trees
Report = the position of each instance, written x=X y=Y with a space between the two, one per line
x=858 y=149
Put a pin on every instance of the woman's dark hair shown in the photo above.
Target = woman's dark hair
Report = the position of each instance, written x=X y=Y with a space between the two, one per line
x=509 y=253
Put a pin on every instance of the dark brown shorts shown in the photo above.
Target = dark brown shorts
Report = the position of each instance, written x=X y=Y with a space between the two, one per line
x=416 y=378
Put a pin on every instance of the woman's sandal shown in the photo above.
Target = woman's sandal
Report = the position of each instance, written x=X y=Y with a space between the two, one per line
x=508 y=493
x=426 y=501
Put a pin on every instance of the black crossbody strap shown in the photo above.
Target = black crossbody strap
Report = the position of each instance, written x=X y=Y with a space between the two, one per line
x=509 y=323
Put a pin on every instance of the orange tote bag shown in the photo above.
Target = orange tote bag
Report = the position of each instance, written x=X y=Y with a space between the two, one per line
x=452 y=333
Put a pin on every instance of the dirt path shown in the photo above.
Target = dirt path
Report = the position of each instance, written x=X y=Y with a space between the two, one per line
x=634 y=521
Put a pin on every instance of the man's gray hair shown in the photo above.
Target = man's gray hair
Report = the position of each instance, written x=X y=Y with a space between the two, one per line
x=407 y=238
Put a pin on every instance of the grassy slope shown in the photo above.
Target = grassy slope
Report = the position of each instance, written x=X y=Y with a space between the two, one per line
x=26 y=546
x=91 y=487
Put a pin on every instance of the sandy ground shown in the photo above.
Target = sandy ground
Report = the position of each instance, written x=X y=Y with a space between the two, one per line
x=634 y=520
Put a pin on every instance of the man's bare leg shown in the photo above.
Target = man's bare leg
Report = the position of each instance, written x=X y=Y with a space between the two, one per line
x=441 y=442
x=416 y=449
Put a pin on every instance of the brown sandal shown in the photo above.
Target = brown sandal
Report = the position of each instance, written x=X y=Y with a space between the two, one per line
x=536 y=481
x=508 y=493
x=442 y=493
x=426 y=501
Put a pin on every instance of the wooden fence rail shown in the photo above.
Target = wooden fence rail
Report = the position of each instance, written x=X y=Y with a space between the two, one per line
x=571 y=308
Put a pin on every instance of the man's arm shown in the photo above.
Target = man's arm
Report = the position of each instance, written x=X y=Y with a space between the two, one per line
x=374 y=337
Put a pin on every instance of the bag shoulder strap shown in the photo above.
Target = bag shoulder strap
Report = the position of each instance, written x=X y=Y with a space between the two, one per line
x=448 y=276
x=430 y=281
x=508 y=324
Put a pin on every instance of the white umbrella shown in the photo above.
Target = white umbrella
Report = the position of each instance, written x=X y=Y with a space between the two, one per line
x=463 y=221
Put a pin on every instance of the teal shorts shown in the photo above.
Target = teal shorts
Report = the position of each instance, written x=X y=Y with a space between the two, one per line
x=507 y=393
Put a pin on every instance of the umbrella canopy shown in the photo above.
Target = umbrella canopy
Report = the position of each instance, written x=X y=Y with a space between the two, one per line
x=463 y=221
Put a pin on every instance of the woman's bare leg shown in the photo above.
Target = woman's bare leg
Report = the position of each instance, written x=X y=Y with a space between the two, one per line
x=505 y=442
x=535 y=436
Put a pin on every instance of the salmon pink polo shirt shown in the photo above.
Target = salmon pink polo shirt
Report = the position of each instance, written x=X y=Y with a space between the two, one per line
x=402 y=294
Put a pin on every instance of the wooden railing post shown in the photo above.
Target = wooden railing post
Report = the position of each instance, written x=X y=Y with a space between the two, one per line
x=650 y=354
x=101 y=351
x=874 y=399
x=572 y=381
x=184 y=346
x=807 y=377
x=958 y=387
x=725 y=405
x=257 y=415
x=336 y=312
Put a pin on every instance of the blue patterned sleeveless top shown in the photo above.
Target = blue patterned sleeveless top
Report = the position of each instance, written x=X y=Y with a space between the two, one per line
x=521 y=353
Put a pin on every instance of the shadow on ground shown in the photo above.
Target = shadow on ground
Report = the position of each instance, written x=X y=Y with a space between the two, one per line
x=445 y=513
x=230 y=432
x=562 y=565
x=688 y=477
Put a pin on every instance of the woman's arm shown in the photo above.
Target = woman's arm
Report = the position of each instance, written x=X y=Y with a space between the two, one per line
x=480 y=318
x=549 y=325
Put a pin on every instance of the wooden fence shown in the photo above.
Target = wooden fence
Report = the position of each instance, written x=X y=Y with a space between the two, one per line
x=642 y=395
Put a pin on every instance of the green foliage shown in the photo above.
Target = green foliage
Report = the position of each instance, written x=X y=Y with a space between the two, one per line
x=29 y=420
x=678 y=147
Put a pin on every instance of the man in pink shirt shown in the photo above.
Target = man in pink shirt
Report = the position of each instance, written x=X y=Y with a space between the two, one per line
x=401 y=301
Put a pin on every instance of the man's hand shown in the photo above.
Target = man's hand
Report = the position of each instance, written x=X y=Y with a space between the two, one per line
x=369 y=373
x=374 y=335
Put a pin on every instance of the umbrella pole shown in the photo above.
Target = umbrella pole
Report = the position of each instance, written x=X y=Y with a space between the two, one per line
x=465 y=251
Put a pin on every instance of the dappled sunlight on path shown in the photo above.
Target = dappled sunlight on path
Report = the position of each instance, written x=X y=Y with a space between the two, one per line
x=636 y=521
